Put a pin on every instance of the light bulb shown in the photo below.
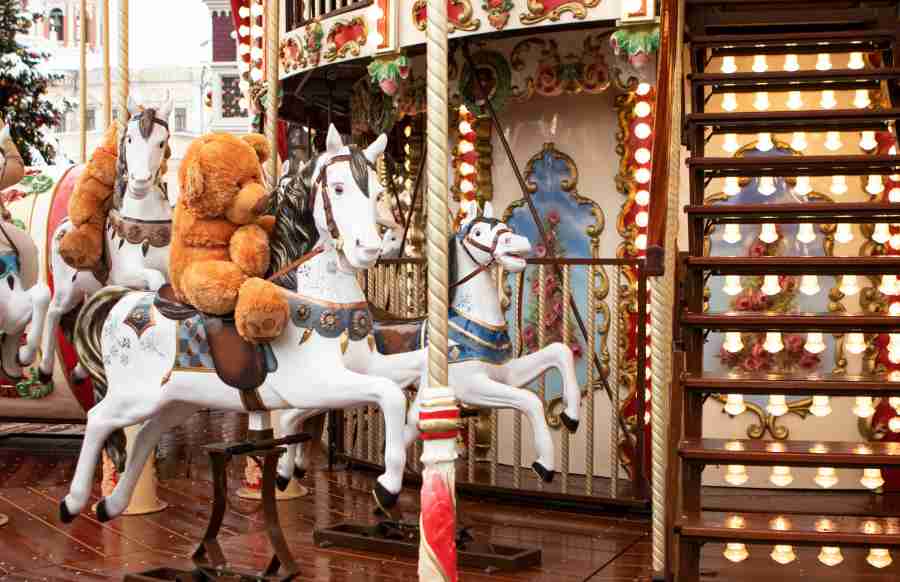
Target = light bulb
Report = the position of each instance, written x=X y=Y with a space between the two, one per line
x=894 y=309
x=759 y=64
x=894 y=424
x=826 y=477
x=731 y=144
x=642 y=175
x=643 y=89
x=256 y=30
x=244 y=30
x=855 y=343
x=861 y=99
x=875 y=184
x=781 y=476
x=732 y=285
x=783 y=554
x=728 y=65
x=833 y=141
x=894 y=348
x=889 y=285
x=871 y=479
x=831 y=555
x=806 y=233
x=802 y=187
x=879 y=558
x=256 y=10
x=465 y=127
x=863 y=407
x=466 y=168
x=882 y=233
x=821 y=406
x=642 y=197
x=849 y=285
x=642 y=130
x=243 y=103
x=244 y=12
x=828 y=101
x=734 y=404
x=856 y=61
x=729 y=102
x=244 y=49
x=256 y=74
x=761 y=101
x=735 y=552
x=466 y=185
x=809 y=284
x=895 y=241
x=894 y=195
x=867 y=141
x=256 y=53
x=815 y=342
x=732 y=186
x=823 y=62
x=791 y=63
x=770 y=285
x=798 y=141
x=795 y=100
x=764 y=142
x=766 y=185
x=838 y=185
x=466 y=146
x=768 y=233
x=732 y=234
x=642 y=155
x=777 y=405
x=733 y=343
x=843 y=233
x=736 y=474
x=773 y=343
x=640 y=242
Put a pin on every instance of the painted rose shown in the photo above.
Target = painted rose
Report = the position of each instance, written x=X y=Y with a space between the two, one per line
x=529 y=334
x=809 y=361
x=540 y=251
x=553 y=217
x=577 y=351
x=793 y=343
x=742 y=303
x=758 y=249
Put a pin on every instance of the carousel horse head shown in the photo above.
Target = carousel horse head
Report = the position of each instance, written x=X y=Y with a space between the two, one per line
x=143 y=148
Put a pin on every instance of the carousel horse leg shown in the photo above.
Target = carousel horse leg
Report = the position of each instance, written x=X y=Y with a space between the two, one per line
x=291 y=464
x=65 y=299
x=40 y=301
x=9 y=351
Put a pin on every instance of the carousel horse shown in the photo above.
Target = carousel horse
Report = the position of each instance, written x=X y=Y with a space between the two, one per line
x=483 y=370
x=154 y=364
x=138 y=226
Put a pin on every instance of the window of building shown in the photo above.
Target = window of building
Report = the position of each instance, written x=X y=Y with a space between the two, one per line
x=57 y=25
x=91 y=122
x=180 y=119
x=231 y=97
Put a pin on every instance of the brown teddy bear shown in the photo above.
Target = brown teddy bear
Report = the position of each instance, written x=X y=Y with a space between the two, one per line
x=220 y=241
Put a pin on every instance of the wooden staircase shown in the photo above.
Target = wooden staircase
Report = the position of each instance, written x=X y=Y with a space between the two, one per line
x=743 y=29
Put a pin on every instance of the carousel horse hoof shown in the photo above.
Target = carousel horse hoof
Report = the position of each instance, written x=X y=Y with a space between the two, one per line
x=384 y=498
x=44 y=377
x=102 y=514
x=64 y=515
x=546 y=475
x=282 y=482
x=570 y=424
x=299 y=473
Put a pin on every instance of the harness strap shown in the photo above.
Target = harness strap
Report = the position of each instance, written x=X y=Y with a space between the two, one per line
x=326 y=199
x=490 y=250
x=296 y=263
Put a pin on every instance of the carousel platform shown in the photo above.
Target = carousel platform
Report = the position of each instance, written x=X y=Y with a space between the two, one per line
x=36 y=547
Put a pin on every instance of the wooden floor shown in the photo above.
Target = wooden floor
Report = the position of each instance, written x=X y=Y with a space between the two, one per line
x=35 y=546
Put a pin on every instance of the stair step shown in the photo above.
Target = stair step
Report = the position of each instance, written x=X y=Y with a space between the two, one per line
x=843 y=41
x=788 y=121
x=795 y=265
x=743 y=321
x=855 y=212
x=836 y=79
x=798 y=530
x=775 y=384
x=855 y=165
x=790 y=453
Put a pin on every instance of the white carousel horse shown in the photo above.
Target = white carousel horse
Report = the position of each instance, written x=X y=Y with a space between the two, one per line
x=392 y=242
x=147 y=379
x=138 y=227
x=483 y=370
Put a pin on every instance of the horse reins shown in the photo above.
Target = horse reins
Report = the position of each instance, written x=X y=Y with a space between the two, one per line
x=321 y=185
x=482 y=267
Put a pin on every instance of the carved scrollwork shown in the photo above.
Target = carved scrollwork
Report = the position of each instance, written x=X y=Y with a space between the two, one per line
x=552 y=10
x=346 y=37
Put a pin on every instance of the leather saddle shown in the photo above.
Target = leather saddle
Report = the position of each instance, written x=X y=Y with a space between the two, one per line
x=237 y=362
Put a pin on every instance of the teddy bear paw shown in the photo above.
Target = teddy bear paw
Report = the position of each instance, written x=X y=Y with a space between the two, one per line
x=261 y=311
x=80 y=249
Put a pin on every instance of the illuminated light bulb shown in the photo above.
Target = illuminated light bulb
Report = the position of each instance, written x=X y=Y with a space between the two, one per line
x=783 y=554
x=728 y=65
x=256 y=30
x=735 y=552
x=844 y=233
x=731 y=144
x=642 y=155
x=642 y=218
x=831 y=555
x=849 y=285
x=879 y=558
x=244 y=12
x=642 y=130
x=894 y=402
x=641 y=241
x=466 y=147
x=838 y=185
x=770 y=285
x=798 y=141
x=895 y=241
x=244 y=49
x=256 y=10
x=732 y=186
x=781 y=476
x=766 y=185
x=894 y=195
x=732 y=234
x=759 y=64
x=882 y=233
x=823 y=62
x=256 y=53
x=643 y=89
x=828 y=101
x=894 y=348
x=802 y=187
x=889 y=285
x=815 y=342
x=795 y=100
x=826 y=477
x=805 y=233
x=777 y=405
x=244 y=30
x=894 y=424
x=863 y=407
x=732 y=285
x=768 y=233
x=809 y=285
x=861 y=99
x=821 y=406
x=642 y=109
x=867 y=141
x=736 y=474
x=734 y=404
x=256 y=74
x=642 y=197
x=764 y=142
x=733 y=343
x=875 y=184
x=833 y=141
x=466 y=168
x=761 y=101
x=465 y=127
x=773 y=344
x=856 y=61
x=855 y=343
x=642 y=175
x=243 y=104
x=729 y=101
x=871 y=479
x=791 y=63
x=894 y=309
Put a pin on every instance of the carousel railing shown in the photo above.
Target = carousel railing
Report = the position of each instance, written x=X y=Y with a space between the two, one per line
x=496 y=449
x=301 y=12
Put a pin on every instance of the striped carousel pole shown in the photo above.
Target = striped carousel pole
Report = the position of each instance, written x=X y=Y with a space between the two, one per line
x=82 y=78
x=107 y=77
x=439 y=417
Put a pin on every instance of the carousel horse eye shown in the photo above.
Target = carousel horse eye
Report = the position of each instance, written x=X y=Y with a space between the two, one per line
x=338 y=188
x=128 y=141
x=162 y=144
x=12 y=283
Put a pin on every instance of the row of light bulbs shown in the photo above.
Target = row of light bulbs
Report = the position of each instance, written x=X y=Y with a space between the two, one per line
x=781 y=476
x=792 y=63
x=864 y=406
x=829 y=555
x=843 y=234
x=809 y=285
x=828 y=100
x=642 y=131
x=799 y=142
x=854 y=343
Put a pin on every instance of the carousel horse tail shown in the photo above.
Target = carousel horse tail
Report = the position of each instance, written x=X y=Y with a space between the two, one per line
x=88 y=333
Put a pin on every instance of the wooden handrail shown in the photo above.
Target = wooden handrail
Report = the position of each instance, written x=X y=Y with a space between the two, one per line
x=666 y=91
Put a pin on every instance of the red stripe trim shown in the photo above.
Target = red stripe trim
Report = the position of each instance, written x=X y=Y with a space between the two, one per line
x=432 y=415
x=433 y=436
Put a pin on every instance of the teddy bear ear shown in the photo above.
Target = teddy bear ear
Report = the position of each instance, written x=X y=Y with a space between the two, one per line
x=260 y=145
x=334 y=142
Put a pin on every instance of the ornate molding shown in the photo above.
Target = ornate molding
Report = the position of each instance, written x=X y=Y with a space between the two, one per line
x=459 y=13
x=346 y=37
x=498 y=12
x=552 y=10
x=554 y=75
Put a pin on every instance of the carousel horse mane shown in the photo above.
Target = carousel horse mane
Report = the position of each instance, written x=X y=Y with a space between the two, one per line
x=295 y=232
x=145 y=123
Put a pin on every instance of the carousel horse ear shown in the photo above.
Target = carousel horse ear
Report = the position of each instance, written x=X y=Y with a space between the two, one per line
x=488 y=211
x=285 y=167
x=4 y=134
x=133 y=107
x=376 y=148
x=166 y=109
x=470 y=208
x=334 y=142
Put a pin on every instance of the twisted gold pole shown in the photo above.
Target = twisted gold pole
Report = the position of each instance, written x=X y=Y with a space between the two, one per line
x=107 y=76
x=272 y=33
x=82 y=78
x=564 y=434
x=123 y=66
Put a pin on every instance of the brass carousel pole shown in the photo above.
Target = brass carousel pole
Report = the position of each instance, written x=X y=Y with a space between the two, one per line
x=82 y=78
x=122 y=121
x=107 y=77
x=272 y=34
x=439 y=418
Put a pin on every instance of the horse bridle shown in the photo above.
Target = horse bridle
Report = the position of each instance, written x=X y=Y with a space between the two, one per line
x=321 y=185
x=467 y=241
